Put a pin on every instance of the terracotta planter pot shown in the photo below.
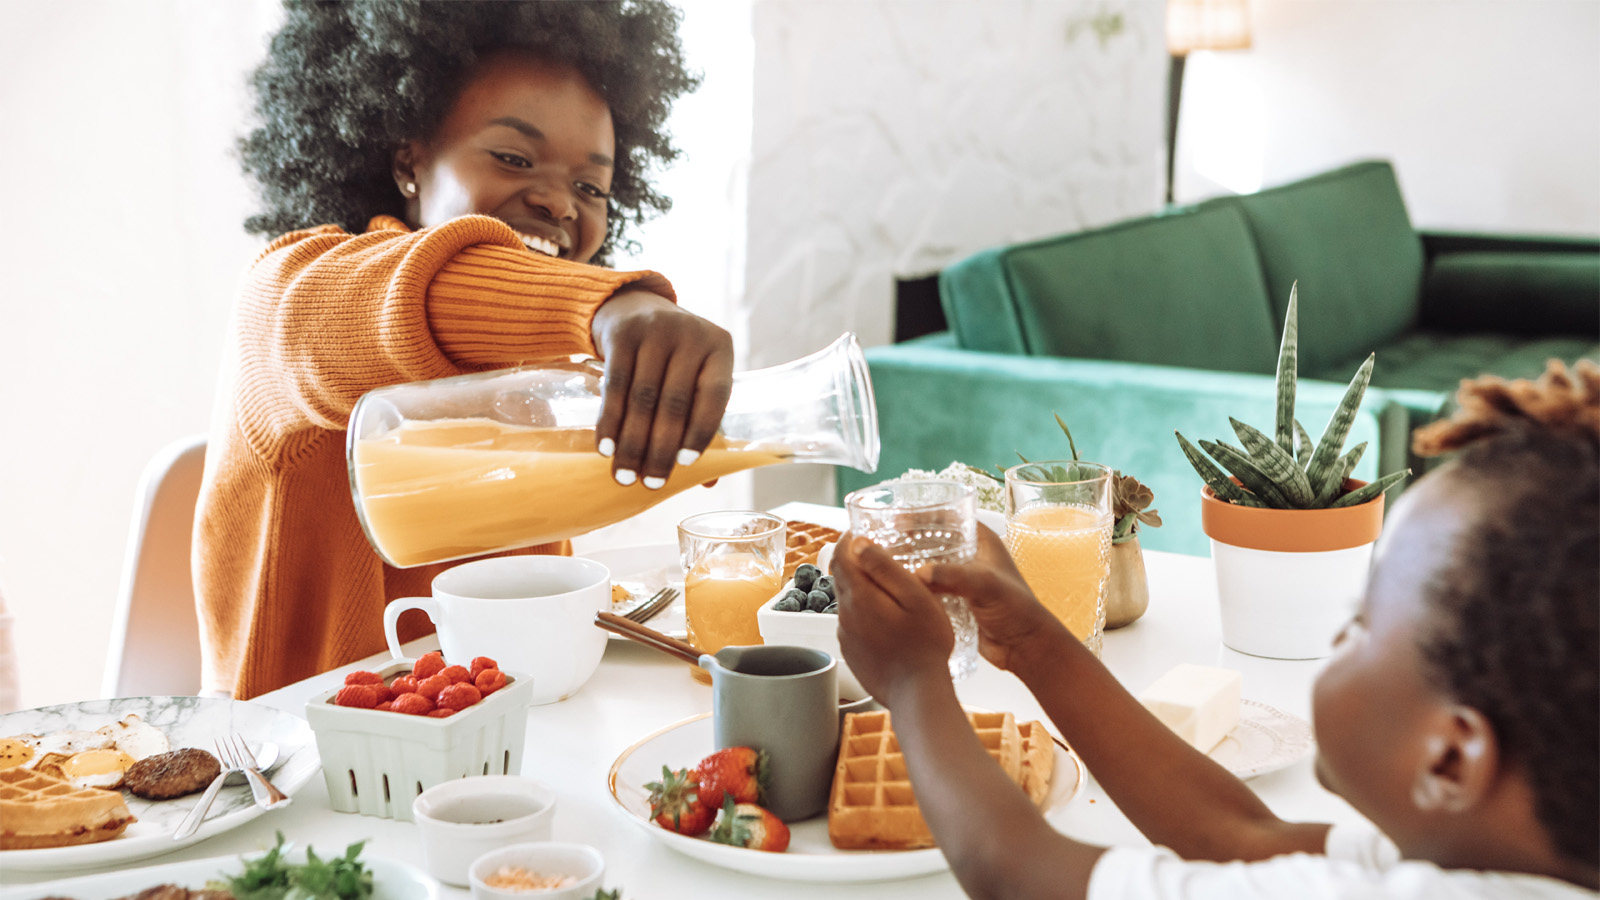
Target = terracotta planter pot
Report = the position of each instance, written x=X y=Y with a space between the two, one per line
x=1127 y=590
x=1288 y=579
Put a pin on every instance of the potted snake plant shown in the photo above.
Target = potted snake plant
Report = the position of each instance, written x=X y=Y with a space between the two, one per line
x=1291 y=533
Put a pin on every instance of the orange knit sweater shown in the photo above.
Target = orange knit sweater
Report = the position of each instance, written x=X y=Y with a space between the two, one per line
x=286 y=583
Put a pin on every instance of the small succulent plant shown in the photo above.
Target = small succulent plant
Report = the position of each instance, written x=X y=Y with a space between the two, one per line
x=1288 y=471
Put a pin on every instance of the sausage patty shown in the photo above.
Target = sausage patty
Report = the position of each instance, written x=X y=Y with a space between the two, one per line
x=168 y=775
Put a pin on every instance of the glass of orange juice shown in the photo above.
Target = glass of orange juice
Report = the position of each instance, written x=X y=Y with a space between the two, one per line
x=1058 y=529
x=732 y=564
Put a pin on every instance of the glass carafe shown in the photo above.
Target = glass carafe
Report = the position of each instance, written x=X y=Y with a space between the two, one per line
x=497 y=460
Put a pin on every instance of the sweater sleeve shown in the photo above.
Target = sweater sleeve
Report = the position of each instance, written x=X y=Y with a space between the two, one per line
x=327 y=316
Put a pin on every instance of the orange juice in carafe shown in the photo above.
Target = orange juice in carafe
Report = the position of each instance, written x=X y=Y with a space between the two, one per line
x=476 y=464
x=448 y=488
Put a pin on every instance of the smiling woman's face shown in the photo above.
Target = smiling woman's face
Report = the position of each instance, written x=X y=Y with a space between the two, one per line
x=527 y=142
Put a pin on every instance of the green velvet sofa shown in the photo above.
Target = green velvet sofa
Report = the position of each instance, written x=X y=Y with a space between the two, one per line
x=1171 y=322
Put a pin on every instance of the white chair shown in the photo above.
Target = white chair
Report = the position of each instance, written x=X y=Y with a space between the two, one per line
x=155 y=637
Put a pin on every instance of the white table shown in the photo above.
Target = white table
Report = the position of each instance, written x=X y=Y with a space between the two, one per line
x=636 y=691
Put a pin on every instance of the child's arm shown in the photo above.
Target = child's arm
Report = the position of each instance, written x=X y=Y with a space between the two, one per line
x=1174 y=794
x=897 y=640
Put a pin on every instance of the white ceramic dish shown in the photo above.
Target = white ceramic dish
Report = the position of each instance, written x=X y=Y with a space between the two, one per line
x=391 y=880
x=187 y=722
x=1265 y=740
x=581 y=862
x=465 y=818
x=643 y=570
x=811 y=856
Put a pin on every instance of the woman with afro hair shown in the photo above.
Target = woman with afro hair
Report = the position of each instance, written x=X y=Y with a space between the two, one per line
x=442 y=183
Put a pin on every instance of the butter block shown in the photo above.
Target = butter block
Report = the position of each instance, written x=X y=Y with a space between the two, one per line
x=1199 y=703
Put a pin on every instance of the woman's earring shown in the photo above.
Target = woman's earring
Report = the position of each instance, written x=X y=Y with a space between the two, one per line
x=411 y=188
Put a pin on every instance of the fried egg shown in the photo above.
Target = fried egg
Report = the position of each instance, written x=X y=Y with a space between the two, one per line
x=70 y=742
x=97 y=769
x=136 y=738
x=14 y=752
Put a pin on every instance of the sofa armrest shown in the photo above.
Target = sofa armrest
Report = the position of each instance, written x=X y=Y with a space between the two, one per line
x=1530 y=291
x=1435 y=243
x=937 y=404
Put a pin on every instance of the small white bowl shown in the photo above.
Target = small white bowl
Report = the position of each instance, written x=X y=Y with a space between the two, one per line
x=581 y=862
x=463 y=819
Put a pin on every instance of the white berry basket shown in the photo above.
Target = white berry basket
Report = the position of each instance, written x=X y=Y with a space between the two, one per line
x=375 y=763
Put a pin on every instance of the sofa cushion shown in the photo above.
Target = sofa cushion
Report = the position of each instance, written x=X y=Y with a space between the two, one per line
x=1180 y=289
x=1345 y=237
x=1435 y=361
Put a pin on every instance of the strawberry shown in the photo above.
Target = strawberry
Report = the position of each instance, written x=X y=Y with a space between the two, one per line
x=748 y=825
x=675 y=803
x=737 y=772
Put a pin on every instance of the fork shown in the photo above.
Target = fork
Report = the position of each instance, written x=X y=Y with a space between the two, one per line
x=238 y=756
x=191 y=822
x=658 y=601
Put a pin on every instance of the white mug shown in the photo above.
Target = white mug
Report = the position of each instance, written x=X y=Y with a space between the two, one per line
x=530 y=614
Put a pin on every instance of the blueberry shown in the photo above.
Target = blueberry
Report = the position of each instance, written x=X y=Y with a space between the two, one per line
x=809 y=610
x=833 y=608
x=825 y=585
x=798 y=595
x=787 y=604
x=817 y=601
x=805 y=575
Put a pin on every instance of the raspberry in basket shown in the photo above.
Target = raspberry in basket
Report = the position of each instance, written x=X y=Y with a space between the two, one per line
x=431 y=686
x=489 y=681
x=456 y=674
x=360 y=696
x=363 y=678
x=413 y=704
x=428 y=664
x=479 y=663
x=458 y=696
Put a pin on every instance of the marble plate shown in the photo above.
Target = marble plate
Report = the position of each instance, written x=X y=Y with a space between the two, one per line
x=187 y=722
x=1265 y=740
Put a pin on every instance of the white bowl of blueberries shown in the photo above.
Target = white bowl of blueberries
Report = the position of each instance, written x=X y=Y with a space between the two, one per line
x=804 y=614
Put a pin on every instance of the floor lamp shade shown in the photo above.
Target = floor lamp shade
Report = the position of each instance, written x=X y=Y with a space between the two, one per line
x=1207 y=25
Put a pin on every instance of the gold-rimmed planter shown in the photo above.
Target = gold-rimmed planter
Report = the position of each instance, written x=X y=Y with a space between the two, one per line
x=1289 y=579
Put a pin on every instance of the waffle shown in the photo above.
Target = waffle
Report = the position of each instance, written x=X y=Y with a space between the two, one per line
x=1038 y=761
x=803 y=541
x=44 y=811
x=872 y=806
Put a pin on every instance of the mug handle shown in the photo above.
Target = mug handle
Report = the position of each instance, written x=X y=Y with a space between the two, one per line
x=391 y=617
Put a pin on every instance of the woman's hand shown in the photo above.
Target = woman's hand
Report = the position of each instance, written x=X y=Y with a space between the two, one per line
x=892 y=630
x=1009 y=617
x=668 y=377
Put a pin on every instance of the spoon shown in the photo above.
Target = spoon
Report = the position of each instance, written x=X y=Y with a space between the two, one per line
x=266 y=759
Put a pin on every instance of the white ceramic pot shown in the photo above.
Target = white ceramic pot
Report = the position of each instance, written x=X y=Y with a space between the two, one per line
x=1289 y=579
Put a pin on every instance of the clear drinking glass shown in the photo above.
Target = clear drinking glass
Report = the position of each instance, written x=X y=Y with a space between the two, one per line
x=1058 y=529
x=920 y=523
x=493 y=461
x=732 y=564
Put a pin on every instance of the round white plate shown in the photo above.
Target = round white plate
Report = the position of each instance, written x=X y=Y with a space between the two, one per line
x=643 y=570
x=187 y=722
x=811 y=856
x=1265 y=740
x=391 y=880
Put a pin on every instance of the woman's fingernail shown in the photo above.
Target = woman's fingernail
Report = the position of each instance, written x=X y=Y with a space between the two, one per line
x=607 y=447
x=626 y=476
x=654 y=483
x=686 y=457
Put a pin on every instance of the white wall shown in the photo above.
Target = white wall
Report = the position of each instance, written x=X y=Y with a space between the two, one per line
x=1487 y=107
x=895 y=136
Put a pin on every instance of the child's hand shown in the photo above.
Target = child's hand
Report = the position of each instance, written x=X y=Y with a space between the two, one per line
x=1008 y=614
x=668 y=377
x=892 y=629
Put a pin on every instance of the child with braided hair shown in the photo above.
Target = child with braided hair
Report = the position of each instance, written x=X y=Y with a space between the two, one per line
x=1460 y=711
